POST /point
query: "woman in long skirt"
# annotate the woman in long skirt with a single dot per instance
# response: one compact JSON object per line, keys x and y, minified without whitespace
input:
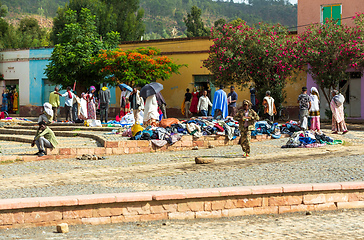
{"x":91,"y":104}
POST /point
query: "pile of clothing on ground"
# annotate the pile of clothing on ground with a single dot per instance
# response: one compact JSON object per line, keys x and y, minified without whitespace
{"x":171,"y":130}
{"x":264,"y":127}
{"x":290,"y":128}
{"x":308,"y":139}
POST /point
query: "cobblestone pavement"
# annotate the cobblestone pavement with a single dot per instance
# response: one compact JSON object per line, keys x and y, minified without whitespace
{"x":269,"y":164}
{"x":345,"y":224}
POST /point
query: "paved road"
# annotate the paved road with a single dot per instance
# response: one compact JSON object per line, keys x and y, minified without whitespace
{"x":269,"y":164}
{"x":347,"y":224}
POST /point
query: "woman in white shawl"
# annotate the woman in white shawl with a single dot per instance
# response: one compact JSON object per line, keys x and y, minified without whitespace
{"x":337,"y":109}
{"x":47,"y":115}
{"x":136,"y":103}
{"x":151,"y":114}
{"x":314,"y":111}
{"x":269,"y":106}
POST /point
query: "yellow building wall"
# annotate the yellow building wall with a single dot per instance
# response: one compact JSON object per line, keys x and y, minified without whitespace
{"x":192,"y":52}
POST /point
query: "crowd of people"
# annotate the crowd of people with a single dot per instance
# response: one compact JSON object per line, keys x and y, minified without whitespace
{"x":224,"y":106}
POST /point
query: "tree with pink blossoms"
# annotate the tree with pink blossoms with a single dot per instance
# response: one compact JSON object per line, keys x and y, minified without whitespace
{"x":330,"y":50}
{"x":263,"y":56}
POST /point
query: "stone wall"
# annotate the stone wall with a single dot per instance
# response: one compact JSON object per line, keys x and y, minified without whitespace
{"x":180,"y":204}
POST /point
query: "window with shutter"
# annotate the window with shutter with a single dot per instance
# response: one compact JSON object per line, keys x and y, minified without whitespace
{"x":331,"y":12}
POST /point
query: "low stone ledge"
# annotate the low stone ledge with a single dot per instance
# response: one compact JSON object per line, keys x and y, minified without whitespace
{"x":180,"y":204}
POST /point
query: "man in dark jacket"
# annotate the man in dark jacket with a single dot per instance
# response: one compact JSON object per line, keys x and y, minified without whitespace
{"x":104,"y":98}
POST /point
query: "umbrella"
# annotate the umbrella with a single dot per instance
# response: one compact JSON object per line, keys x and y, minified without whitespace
{"x":150,"y":89}
{"x":123,"y":85}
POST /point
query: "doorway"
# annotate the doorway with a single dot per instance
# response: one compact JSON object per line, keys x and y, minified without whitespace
{"x":351,"y":90}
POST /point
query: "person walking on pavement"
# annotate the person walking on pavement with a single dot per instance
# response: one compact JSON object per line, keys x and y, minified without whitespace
{"x":203,"y":104}
{"x":232,"y":99}
{"x":68,"y":103}
{"x":269,"y":106}
{"x":246,"y":117}
{"x":220,"y":104}
{"x":44,"y":138}
{"x":187,"y":102}
{"x":54,"y":101}
{"x":104,"y":100}
{"x":305,"y":104}
{"x":338,"y":117}
{"x":161,"y":104}
{"x":136,"y":104}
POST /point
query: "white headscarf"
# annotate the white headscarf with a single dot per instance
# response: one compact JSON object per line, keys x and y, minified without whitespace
{"x":314,"y":89}
{"x":48,"y":108}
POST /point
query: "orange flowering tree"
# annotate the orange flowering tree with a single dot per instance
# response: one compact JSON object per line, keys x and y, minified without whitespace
{"x":133,"y":67}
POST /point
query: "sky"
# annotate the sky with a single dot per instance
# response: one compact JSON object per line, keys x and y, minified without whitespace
{"x":293,"y":1}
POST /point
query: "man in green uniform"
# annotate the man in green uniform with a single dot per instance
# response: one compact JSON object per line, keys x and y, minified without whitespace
{"x":246,"y":118}
{"x":54,"y":101}
{"x":44,"y":138}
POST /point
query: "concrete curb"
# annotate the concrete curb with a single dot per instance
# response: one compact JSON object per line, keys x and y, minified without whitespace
{"x":180,"y":204}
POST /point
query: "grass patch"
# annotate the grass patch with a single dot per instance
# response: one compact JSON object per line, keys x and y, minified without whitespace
{"x":345,"y":143}
{"x":75,"y":134}
{"x":77,"y":129}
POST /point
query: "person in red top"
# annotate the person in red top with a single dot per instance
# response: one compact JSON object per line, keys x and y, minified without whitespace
{"x":194,"y":102}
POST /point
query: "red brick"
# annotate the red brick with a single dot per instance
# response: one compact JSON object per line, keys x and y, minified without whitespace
{"x":96,"y":199}
{"x":218,"y":204}
{"x":42,"y":216}
{"x":285,"y":200}
{"x":296,"y":188}
{"x":121,"y":144}
{"x":186,"y":143}
{"x":249,"y":202}
{"x":77,"y":213}
{"x":352,"y":185}
{"x":117,"y":219}
{"x":266,"y":210}
{"x":6,"y":219}
{"x":29,"y":158}
{"x":235,"y":191}
{"x":55,"y":151}
{"x":209,"y":214}
{"x":170,"y":207}
{"x":358,"y":204}
{"x":133,"y":150}
{"x":169,"y":195}
{"x":181,"y":215}
{"x":157,"y":209}
{"x":230,"y":203}
{"x":133,"y":197}
{"x":266,"y":189}
{"x":108,"y":151}
{"x":100,"y":151}
{"x":326,"y":186}
{"x":102,"y":212}
{"x":132,"y":218}
{"x":64,"y":151}
{"x":237,"y":212}
{"x":325,"y":206}
{"x":153,"y":217}
{"x":143,"y":143}
{"x":196,"y":206}
{"x":118,"y":151}
{"x":202,"y":193}
{"x":183,"y":207}
{"x":131,"y":144}
{"x":109,"y":144}
{"x":337,"y":197}
{"x":57,"y":201}
{"x":208,"y":206}
{"x":81,"y":151}
{"x":356,"y":196}
{"x":198,"y":143}
{"x":145,"y":149}
{"x":18,"y":203}
{"x":96,"y":221}
{"x":314,"y":198}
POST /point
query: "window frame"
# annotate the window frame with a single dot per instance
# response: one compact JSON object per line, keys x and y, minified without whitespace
{"x":331,"y":5}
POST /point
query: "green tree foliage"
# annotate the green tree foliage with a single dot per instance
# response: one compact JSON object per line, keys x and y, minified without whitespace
{"x":194,"y":24}
{"x":124,"y":17}
{"x":129,"y":18}
{"x":105,"y":18}
{"x":243,"y":55}
{"x":133,"y":67}
{"x":29,"y":34}
{"x":331,"y":49}
{"x":79,"y":43}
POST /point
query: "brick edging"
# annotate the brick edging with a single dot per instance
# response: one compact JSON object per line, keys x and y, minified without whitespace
{"x":180,"y":204}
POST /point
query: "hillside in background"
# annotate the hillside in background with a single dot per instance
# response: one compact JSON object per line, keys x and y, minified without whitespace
{"x":161,"y":16}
